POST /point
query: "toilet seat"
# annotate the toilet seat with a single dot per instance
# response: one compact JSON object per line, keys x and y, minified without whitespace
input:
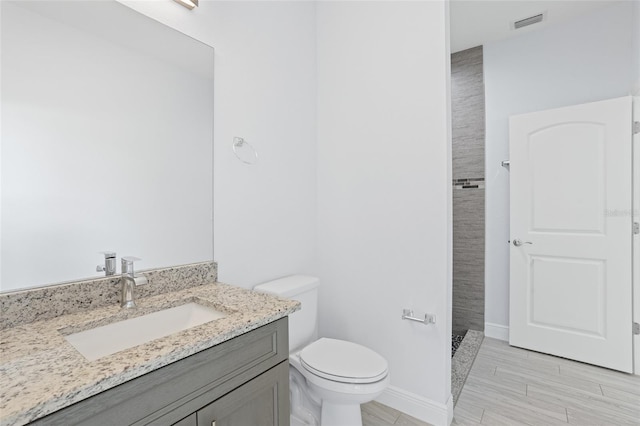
{"x":344,"y":362}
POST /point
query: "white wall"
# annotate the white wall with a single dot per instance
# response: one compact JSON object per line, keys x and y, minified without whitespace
{"x":635,"y":47}
{"x":384,"y":190}
{"x":583,"y":60}
{"x":265,"y":85}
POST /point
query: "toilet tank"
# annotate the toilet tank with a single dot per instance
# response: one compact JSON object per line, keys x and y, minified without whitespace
{"x":303,"y":324}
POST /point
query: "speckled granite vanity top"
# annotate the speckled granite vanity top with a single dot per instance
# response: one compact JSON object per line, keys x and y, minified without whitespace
{"x":41,"y":373}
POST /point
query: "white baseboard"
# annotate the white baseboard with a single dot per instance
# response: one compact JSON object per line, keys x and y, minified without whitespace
{"x":424,"y":409}
{"x":496,"y":331}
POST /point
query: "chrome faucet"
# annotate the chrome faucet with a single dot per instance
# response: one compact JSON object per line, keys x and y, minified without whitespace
{"x":128,"y":281}
{"x":109,"y":267}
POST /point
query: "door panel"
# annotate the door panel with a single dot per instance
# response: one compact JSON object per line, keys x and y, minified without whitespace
{"x":570,"y":279}
{"x":553,"y":304}
{"x":566,"y":182}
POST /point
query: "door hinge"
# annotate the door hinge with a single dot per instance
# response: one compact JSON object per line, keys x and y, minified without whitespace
{"x":636,"y":127}
{"x":636,"y":228}
{"x":636,"y":328}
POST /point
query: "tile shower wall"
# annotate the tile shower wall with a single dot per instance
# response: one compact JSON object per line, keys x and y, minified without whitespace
{"x":468,"y":121}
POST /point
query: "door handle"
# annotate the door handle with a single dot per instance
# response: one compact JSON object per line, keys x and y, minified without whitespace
{"x":518,"y":242}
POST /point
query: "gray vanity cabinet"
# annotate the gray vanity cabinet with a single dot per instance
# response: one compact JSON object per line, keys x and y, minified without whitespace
{"x":243,"y":381}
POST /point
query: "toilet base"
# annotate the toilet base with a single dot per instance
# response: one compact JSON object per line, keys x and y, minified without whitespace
{"x":305,"y":409}
{"x":340,"y":414}
{"x":319,"y":402}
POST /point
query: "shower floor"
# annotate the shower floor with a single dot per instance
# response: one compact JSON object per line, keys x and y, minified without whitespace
{"x":456,"y":340}
{"x":463,"y":359}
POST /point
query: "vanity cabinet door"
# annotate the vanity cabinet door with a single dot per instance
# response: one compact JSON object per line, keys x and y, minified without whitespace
{"x":263,"y":401}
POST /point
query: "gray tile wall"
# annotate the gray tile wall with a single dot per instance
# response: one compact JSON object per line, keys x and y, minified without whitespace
{"x":468,"y":132}
{"x":468,"y":260}
{"x":467,"y":101}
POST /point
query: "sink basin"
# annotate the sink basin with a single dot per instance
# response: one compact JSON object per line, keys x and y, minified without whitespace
{"x":108,"y":339}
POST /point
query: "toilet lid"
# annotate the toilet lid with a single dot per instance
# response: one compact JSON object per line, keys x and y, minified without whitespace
{"x":343,"y":361}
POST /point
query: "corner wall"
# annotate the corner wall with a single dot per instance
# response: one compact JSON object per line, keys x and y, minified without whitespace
{"x":583,"y":60}
{"x":384,"y":191}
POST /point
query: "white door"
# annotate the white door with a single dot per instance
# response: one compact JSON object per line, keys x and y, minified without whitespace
{"x":571,"y":232}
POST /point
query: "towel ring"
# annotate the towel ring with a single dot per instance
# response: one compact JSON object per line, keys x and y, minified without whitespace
{"x":239,"y":143}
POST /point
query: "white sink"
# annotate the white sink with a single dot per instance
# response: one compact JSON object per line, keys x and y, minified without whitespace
{"x":109,"y":339}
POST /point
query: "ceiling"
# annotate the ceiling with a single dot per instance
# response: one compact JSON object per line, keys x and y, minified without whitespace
{"x":476,"y":22}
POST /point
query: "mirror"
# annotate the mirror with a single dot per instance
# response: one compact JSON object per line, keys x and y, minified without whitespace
{"x":107,"y":142}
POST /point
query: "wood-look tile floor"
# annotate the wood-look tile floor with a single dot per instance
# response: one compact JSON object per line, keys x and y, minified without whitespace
{"x":512,"y":387}
{"x":376,"y":414}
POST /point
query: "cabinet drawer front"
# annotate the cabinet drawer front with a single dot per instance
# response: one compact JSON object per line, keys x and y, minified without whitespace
{"x":171,"y":393}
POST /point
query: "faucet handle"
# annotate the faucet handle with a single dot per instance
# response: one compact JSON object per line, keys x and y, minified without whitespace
{"x":127,"y":268}
{"x":109,"y":267}
{"x":127,"y":264}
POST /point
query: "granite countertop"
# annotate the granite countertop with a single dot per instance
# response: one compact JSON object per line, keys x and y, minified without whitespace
{"x":40,"y":372}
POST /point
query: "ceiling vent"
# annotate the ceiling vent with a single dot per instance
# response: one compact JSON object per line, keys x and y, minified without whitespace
{"x":528,"y":21}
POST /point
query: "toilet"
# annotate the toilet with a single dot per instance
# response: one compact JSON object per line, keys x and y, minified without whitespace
{"x":328,"y":378}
